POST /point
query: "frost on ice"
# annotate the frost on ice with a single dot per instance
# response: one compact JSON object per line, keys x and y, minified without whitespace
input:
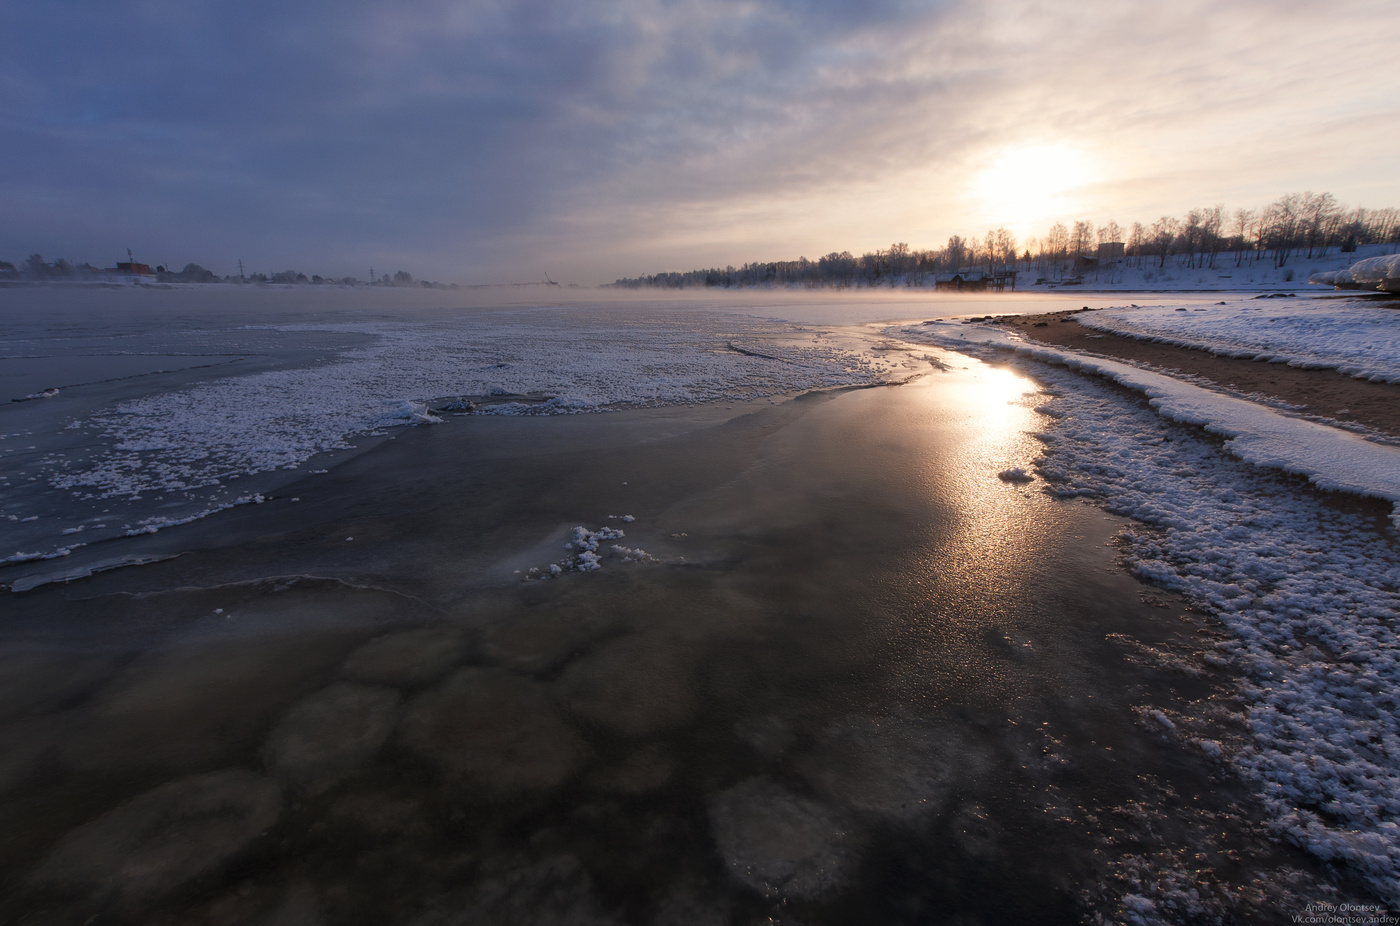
{"x":530,"y":363}
{"x":1309,"y":592}
{"x":1330,"y":458}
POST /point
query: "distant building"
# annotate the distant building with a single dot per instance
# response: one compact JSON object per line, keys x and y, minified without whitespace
{"x":1112,"y":250}
{"x":975,"y":281}
{"x":962,"y":281}
{"x":131,"y":266}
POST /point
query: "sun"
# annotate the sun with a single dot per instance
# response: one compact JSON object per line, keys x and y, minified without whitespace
{"x":1029,"y":184}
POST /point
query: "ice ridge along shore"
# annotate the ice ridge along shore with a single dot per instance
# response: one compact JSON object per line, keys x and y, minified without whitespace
{"x":1309,"y":592}
{"x":1330,"y":458}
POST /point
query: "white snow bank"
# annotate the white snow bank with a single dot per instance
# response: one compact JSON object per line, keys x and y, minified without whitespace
{"x":1338,"y":278}
{"x":1351,"y":336}
{"x":1382,"y":273}
{"x":1330,"y":458}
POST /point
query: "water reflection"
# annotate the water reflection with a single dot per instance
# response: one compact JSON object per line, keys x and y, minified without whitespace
{"x":865,"y":682}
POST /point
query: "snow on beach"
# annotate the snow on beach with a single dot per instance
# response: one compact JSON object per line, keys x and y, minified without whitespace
{"x":1330,"y":458}
{"x":1309,"y":592}
{"x":180,"y":447}
{"x":1355,"y":337}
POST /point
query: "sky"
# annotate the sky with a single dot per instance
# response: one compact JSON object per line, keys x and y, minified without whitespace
{"x":492,"y":141}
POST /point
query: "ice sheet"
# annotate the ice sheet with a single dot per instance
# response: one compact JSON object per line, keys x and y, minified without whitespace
{"x":172,"y":455}
{"x":1309,"y":592}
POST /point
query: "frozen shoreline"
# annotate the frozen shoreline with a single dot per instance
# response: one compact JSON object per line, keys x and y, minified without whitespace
{"x":1330,"y":458}
{"x":1350,"y":336}
{"x":1308,"y":591}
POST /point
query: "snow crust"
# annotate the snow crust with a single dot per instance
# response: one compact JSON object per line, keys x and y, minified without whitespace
{"x":1359,"y":338}
{"x":170,"y":457}
{"x":280,"y":419}
{"x":1371,"y":273}
{"x":1310,"y":592}
{"x":1330,"y":458}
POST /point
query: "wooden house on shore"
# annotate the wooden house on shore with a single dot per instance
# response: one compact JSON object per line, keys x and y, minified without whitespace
{"x":975,"y":281}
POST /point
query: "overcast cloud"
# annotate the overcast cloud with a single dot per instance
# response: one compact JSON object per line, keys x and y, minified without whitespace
{"x":499,"y":140}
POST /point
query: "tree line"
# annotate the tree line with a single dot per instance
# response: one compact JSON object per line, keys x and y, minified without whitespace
{"x":1314,"y":223}
{"x":36,"y":269}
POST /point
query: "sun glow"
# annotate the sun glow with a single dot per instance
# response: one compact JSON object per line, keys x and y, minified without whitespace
{"x":1025,"y":186}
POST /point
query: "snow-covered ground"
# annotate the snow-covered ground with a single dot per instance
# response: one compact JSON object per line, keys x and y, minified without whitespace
{"x":1309,"y":590}
{"x":1352,"y":336}
{"x":1238,"y":273}
{"x":1380,"y":273}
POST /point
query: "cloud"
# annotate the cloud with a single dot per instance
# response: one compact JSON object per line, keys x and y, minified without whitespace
{"x":486,"y":140}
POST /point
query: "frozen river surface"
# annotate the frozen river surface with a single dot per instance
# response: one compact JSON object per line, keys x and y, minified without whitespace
{"x":758,"y":645}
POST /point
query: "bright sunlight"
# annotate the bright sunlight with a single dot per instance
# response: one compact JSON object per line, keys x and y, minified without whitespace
{"x":1026,"y":185}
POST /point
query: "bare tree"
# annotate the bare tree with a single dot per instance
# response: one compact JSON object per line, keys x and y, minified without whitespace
{"x":1055,"y":245}
{"x":1003,"y":246}
{"x":1281,"y":220}
{"x":1244,"y":221}
{"x":1111,"y":233}
{"x":1212,"y":223}
{"x":1137,"y":242}
{"x":899,"y":258}
{"x":1080,"y":238}
{"x":956,"y":253}
{"x":1321,"y":217}
{"x":1189,"y":236}
{"x":1164,"y":232}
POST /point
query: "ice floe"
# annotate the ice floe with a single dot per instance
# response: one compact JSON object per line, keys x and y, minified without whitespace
{"x":329,"y":734}
{"x":407,"y":658}
{"x":779,"y":843}
{"x":494,"y":731}
{"x":554,"y":892}
{"x":161,"y":840}
{"x":886,"y":767}
{"x":580,"y":362}
{"x":179,"y":449}
{"x":641,"y":684}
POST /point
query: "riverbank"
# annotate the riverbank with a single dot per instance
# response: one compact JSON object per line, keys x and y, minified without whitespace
{"x":1324,"y":393}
